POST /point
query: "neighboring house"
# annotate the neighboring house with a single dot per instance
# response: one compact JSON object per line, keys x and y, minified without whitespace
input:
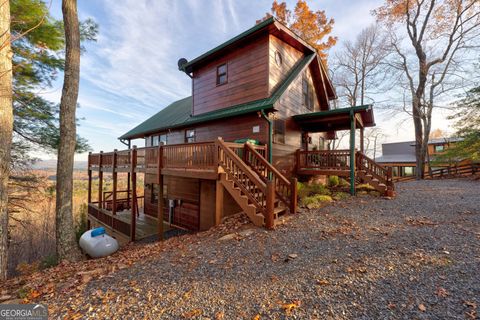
{"x":400,"y":156}
{"x":266,"y":86}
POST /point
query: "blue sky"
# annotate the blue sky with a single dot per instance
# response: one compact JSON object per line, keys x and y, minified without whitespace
{"x":131,"y":72}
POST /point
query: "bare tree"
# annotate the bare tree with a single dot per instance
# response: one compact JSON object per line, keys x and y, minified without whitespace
{"x":6,"y":128}
{"x":358,"y":66}
{"x":67,"y":248}
{"x":427,"y":36}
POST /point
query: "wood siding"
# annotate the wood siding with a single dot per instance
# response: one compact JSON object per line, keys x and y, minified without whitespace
{"x":290,"y":104}
{"x":247,"y":78}
{"x":290,"y":56}
{"x":229,"y":129}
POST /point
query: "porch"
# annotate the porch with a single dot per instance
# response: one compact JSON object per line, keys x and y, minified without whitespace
{"x":352,"y":163}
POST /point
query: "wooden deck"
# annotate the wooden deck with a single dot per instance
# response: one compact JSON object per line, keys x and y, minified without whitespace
{"x":120,"y":223}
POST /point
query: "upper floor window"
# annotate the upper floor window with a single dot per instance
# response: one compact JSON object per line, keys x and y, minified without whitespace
{"x":190,"y":135}
{"x":439,"y":148}
{"x":307,"y":93}
{"x":222,"y":74}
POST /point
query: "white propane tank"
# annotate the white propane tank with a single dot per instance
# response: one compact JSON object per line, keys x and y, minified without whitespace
{"x":96,"y":243}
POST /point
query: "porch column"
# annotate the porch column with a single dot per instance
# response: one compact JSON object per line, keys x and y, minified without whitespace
{"x":160,"y":192}
{"x":100,"y":181}
{"x":352,"y":152}
{"x":362,"y":149}
{"x":128,"y":179}
{"x":114,"y":187}
{"x":89,"y":194}
{"x":134,"y":209}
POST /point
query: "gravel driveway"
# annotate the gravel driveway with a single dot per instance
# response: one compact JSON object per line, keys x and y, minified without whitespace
{"x":414,"y":257}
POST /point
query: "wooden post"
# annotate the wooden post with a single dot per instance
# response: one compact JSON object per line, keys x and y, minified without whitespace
{"x":352,"y":153}
{"x":218,"y":202}
{"x":160,"y":192}
{"x":297,"y":160}
{"x":293,"y":195}
{"x":100,"y":181}
{"x":134,"y":194}
{"x":89,"y":194}
{"x":114,"y":187}
{"x":270,"y":207}
{"x":362,"y":144}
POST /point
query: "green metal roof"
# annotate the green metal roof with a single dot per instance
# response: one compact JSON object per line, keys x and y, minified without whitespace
{"x":178,"y":114}
{"x":187,"y":67}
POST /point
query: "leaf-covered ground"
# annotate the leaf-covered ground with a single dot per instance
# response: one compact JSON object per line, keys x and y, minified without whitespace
{"x":414,"y":257}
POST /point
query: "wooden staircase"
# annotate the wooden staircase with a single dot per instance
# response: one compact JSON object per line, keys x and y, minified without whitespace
{"x":258,"y":188}
{"x":369,"y":171}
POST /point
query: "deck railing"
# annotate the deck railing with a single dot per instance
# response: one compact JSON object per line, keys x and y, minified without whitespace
{"x":382,"y":174}
{"x":323,"y":159}
{"x":284,"y":189}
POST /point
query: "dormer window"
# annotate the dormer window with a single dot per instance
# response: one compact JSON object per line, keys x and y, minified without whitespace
{"x":222,"y":74}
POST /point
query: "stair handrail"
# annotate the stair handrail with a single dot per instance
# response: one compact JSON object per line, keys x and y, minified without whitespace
{"x":283,"y":187}
{"x":232,"y":170}
{"x":377,"y":171}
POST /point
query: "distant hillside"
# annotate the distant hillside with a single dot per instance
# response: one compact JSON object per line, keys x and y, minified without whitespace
{"x":52,"y":164}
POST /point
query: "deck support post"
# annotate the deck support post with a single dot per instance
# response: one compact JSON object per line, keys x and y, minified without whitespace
{"x":100,"y":181}
{"x":352,"y":152}
{"x":270,"y":205}
{"x":219,"y":190}
{"x":114,"y":183}
{"x":362,"y":143}
{"x":134,"y":209}
{"x":293,"y":195}
{"x":89,"y":192}
{"x":160,"y":192}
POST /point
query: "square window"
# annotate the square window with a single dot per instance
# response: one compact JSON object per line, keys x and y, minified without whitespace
{"x":222,"y":74}
{"x":439,"y":148}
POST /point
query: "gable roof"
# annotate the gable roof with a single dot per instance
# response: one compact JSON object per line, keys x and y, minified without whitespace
{"x":178,"y":113}
{"x":274,"y":27}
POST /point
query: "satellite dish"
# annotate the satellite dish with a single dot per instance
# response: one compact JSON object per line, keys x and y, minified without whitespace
{"x":181,"y":62}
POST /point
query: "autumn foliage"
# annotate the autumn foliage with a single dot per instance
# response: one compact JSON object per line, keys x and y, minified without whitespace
{"x":313,"y":26}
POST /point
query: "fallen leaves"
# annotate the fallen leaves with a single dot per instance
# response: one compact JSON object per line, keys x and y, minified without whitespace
{"x":422,"y":307}
{"x":422,"y":221}
{"x":323,"y":282}
{"x":441,"y":292}
{"x":472,"y":313}
{"x":193,"y":313}
{"x":289,"y":307}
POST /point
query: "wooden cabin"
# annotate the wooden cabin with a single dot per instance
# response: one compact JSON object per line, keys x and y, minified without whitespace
{"x":258,"y":117}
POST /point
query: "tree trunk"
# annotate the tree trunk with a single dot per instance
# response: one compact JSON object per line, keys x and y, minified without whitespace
{"x":67,"y":248}
{"x":6,"y":127}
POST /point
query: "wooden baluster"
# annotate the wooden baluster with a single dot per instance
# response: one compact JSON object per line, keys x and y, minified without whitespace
{"x":293,"y":195}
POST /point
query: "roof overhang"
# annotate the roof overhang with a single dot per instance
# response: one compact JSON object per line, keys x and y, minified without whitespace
{"x":336,"y":119}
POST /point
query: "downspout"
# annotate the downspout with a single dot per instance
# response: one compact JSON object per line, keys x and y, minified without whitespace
{"x":270,"y":135}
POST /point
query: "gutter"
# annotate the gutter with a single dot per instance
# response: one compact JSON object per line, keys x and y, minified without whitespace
{"x":270,"y":134}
